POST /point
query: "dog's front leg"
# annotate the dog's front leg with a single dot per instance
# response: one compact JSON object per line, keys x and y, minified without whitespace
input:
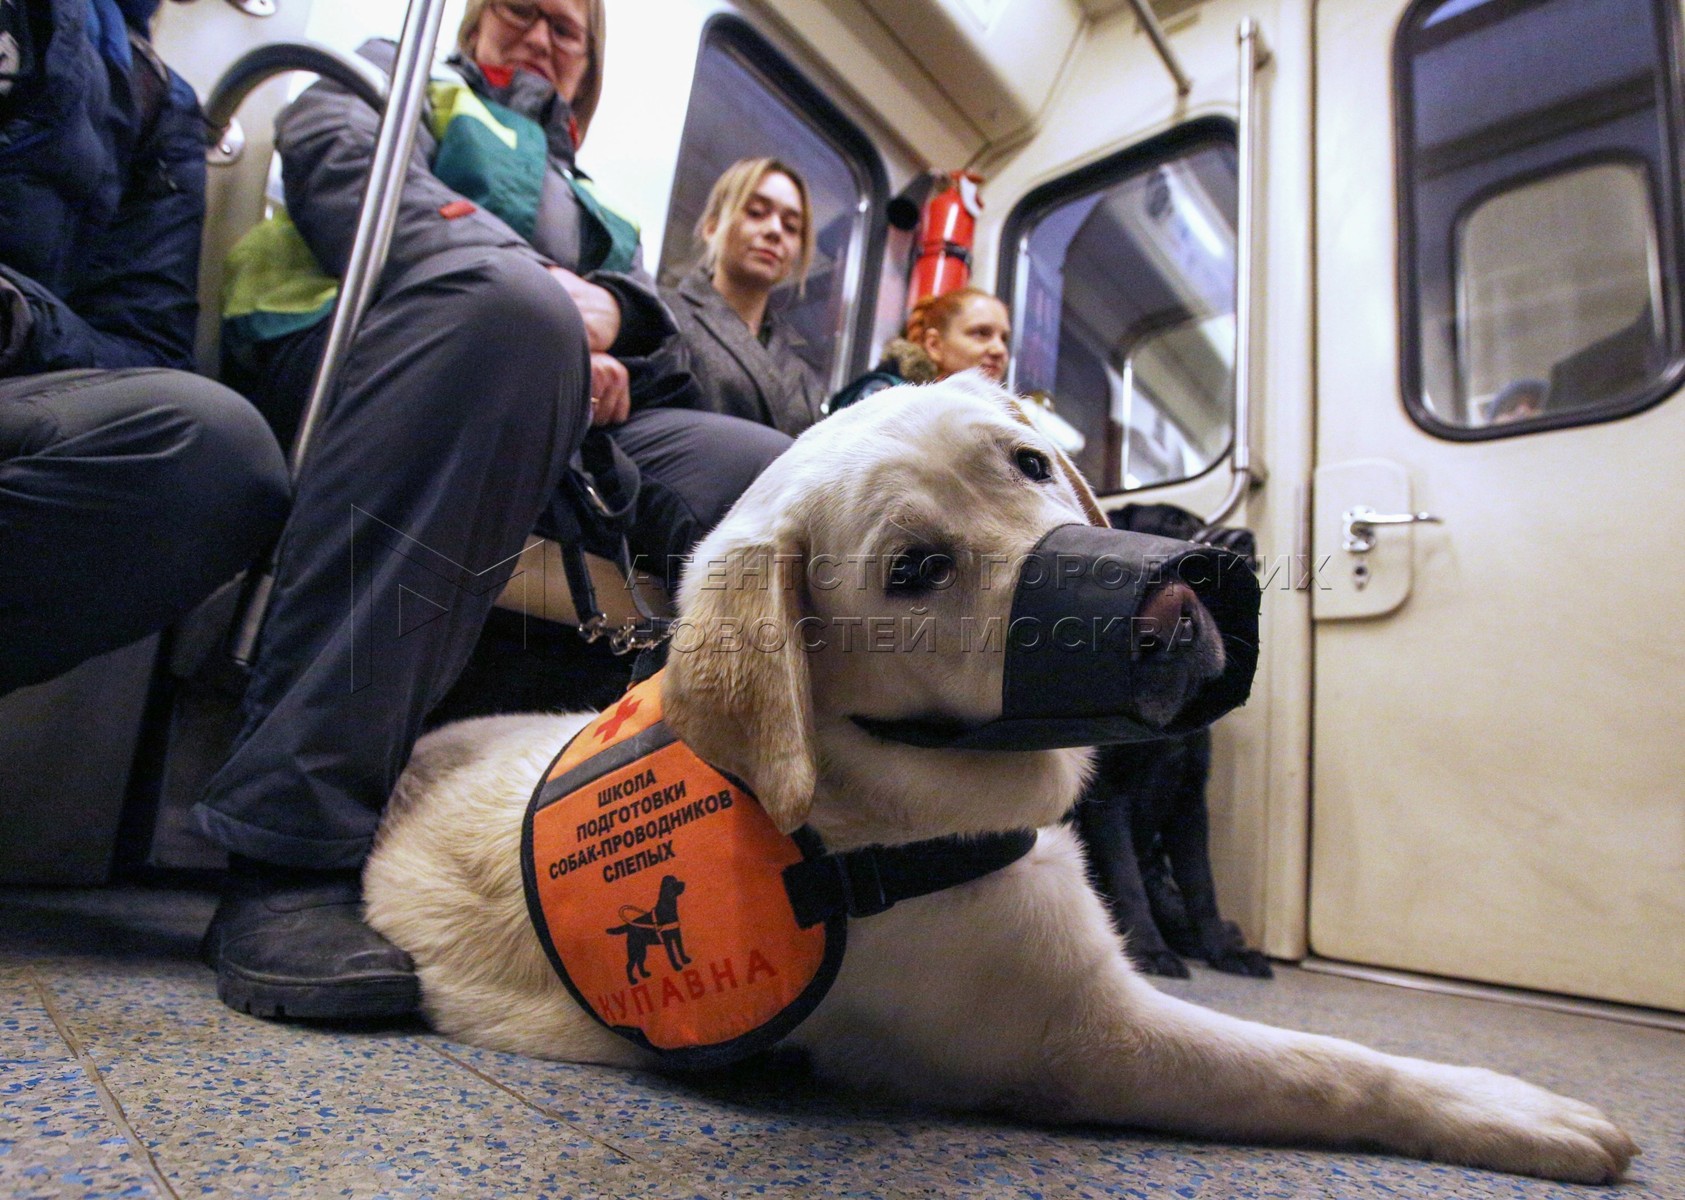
{"x":1142,"y":1058}
{"x":1013,"y":993}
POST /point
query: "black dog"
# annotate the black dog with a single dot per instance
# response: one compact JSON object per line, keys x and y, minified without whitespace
{"x":1144,"y":829}
{"x":1143,"y":820}
{"x":660,"y":925}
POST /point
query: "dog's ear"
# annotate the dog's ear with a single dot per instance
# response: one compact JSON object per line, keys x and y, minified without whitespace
{"x":736,"y":686}
{"x":1067,"y":469}
{"x":1085,"y":494}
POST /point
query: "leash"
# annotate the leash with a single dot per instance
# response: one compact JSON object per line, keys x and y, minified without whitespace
{"x":602,"y":486}
{"x":633,"y":635}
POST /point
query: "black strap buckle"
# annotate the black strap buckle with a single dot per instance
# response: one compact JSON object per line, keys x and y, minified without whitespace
{"x":862,"y":883}
{"x":836,"y":884}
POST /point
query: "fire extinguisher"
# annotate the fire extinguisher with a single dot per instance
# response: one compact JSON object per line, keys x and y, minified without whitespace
{"x":946,"y":229}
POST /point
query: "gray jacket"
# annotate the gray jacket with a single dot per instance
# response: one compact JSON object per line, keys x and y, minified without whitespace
{"x":326,"y":139}
{"x":738,"y":374}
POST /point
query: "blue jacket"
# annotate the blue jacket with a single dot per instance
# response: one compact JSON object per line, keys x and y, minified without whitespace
{"x":102,"y":194}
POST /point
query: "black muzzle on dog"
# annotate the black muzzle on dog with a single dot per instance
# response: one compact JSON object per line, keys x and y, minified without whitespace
{"x":1087,"y":665}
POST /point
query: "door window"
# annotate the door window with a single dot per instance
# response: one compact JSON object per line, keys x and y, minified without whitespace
{"x":1539,"y":212}
{"x":1123,"y":306}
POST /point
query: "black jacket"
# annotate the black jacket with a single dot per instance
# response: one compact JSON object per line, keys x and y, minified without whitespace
{"x":739,"y":374}
{"x":102,"y":198}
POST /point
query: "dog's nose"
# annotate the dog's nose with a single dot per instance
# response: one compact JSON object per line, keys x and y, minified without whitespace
{"x":1166,"y":620}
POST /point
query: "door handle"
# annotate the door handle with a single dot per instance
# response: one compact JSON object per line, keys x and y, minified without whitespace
{"x":1361,"y":520}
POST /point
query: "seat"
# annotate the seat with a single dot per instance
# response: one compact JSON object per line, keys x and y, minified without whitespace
{"x":68,"y":745}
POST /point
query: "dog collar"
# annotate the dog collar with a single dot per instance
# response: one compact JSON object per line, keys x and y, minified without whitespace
{"x":673,"y":909}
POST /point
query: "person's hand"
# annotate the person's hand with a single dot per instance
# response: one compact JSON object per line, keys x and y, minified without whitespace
{"x":597,"y":307}
{"x":611,"y":395}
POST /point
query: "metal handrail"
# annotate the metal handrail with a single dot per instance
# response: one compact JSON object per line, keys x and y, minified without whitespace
{"x":1155,"y":33}
{"x":375,"y":220}
{"x":256,"y":67}
{"x":251,"y":70}
{"x":1253,"y":54}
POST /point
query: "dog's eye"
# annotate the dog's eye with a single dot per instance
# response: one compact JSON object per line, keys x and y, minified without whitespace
{"x":919,"y":569}
{"x":1034,"y":465}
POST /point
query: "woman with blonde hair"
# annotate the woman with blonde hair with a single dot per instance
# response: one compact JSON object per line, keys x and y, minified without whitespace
{"x":757,"y":234}
{"x":955,"y":331}
{"x":513,"y":316}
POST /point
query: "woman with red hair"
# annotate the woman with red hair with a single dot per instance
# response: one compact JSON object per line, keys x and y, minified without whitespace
{"x":956,"y":331}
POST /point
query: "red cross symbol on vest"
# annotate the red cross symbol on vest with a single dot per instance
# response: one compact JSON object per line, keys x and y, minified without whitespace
{"x":610,"y":727}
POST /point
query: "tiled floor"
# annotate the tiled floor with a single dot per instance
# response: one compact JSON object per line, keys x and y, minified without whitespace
{"x":121,"y":1075}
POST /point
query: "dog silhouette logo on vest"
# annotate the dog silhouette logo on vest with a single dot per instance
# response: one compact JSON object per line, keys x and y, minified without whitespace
{"x":655,"y":926}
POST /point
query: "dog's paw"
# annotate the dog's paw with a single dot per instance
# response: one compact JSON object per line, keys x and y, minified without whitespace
{"x":1483,"y":1119}
{"x":1160,"y":962}
{"x":1241,"y":961}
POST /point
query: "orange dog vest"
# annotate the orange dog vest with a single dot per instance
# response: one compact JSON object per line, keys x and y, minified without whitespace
{"x":657,"y":885}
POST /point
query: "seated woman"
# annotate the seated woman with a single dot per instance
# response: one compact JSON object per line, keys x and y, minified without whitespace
{"x":946,"y":334}
{"x":510,"y":307}
{"x":758,"y":232}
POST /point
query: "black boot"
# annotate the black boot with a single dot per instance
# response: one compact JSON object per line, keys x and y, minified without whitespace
{"x":292,"y":943}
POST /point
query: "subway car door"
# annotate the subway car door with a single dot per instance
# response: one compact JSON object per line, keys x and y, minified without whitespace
{"x":1499,"y":719}
{"x":1120,"y":258}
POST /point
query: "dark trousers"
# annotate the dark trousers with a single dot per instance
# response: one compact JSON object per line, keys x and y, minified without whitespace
{"x":455,"y":415}
{"x":126,"y":497}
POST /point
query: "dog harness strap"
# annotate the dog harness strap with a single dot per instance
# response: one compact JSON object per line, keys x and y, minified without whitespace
{"x":871,"y":880}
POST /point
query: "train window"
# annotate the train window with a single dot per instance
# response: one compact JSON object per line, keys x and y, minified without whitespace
{"x":1540,"y":212}
{"x":1122,"y":292}
{"x":746,"y":101}
{"x":1570,"y":315}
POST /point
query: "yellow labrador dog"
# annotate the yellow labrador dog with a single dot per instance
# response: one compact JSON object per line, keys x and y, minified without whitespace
{"x":1008,"y":993}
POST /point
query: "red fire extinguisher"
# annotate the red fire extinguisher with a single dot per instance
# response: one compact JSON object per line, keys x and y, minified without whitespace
{"x":946,"y":229}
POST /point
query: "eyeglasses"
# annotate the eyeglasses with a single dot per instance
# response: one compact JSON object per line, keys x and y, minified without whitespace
{"x":523,"y":15}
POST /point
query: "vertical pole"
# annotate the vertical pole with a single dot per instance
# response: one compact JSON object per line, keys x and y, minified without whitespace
{"x":1252,"y":56}
{"x":369,"y":247}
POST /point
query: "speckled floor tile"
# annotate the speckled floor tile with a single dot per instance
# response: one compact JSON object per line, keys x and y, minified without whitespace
{"x":233,"y":1106}
{"x":758,"y":1131}
{"x":56,"y":1138}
